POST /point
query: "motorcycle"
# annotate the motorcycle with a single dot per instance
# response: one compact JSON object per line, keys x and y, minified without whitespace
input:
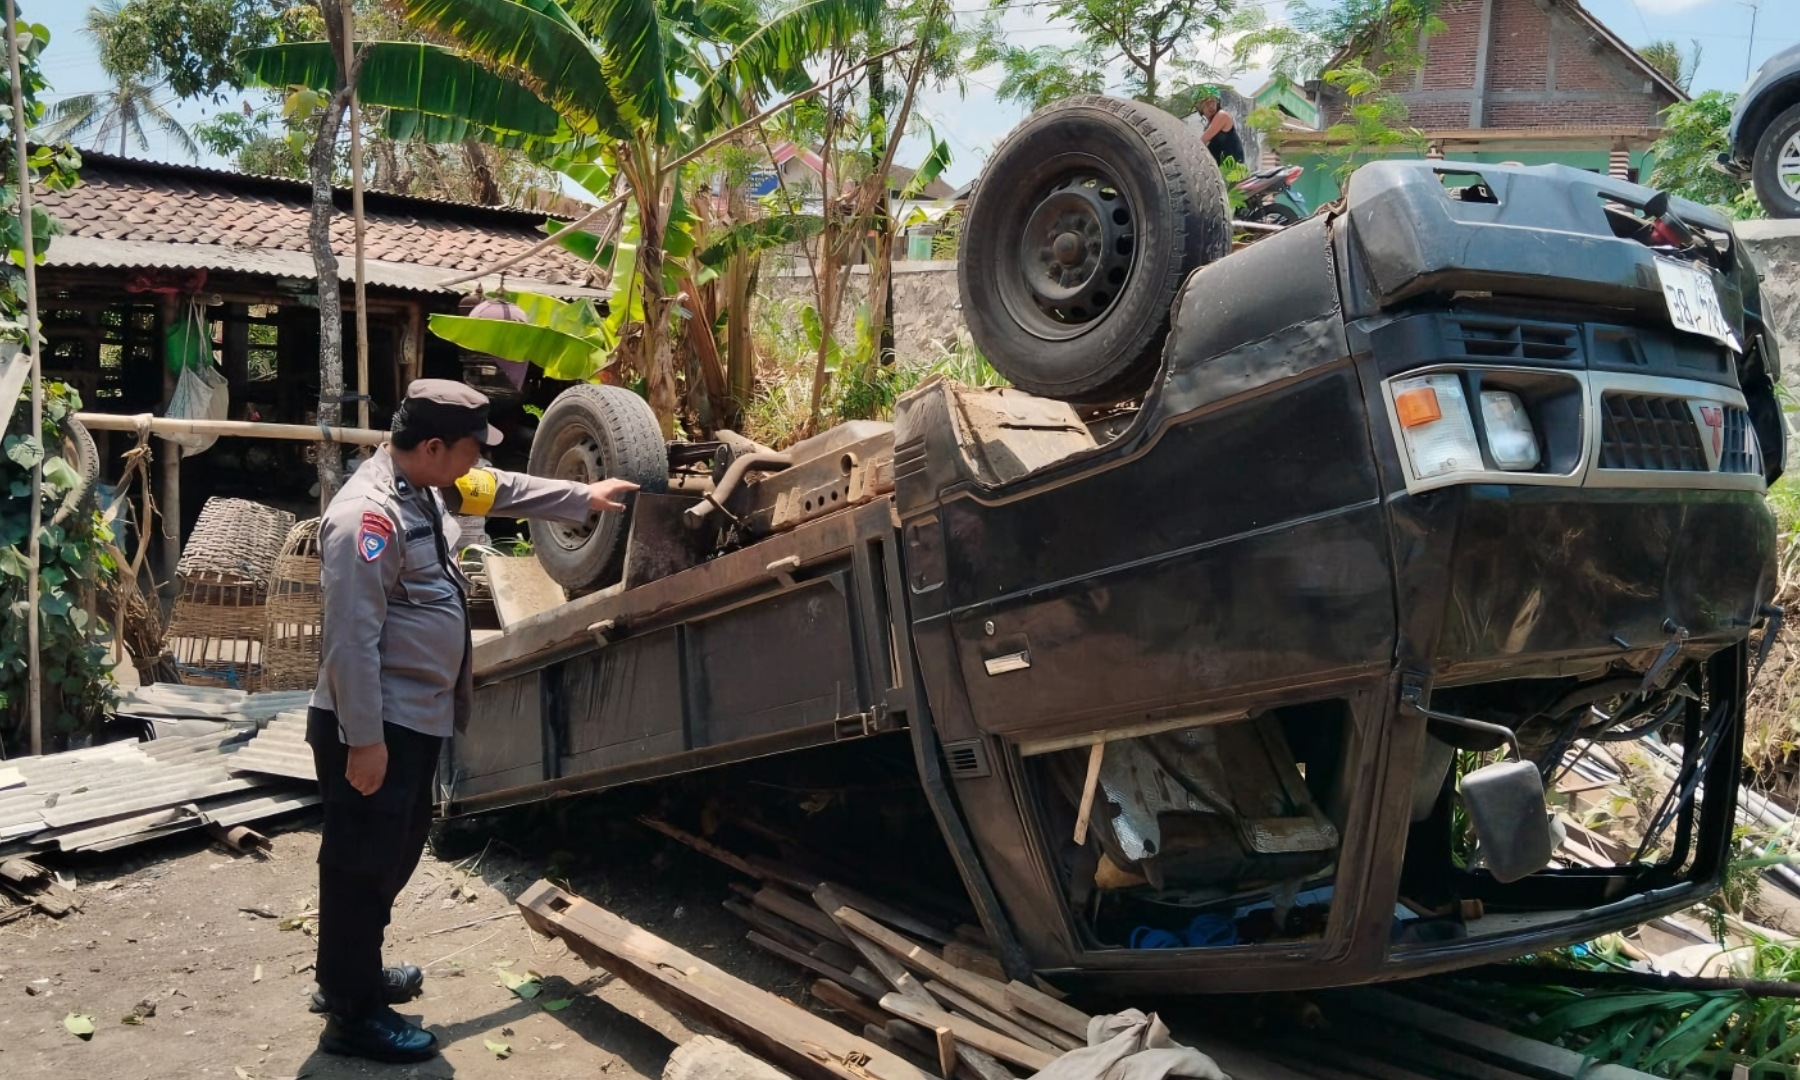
{"x":1261,"y":190}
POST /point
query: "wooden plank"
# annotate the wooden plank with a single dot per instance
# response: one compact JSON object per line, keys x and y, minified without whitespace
{"x":969,"y":1032}
{"x":789,"y":1037}
{"x":851,"y":1003}
{"x":771,"y":927}
{"x":885,"y":963}
{"x":878,"y":1034}
{"x":701,"y":844}
{"x":986,"y":991}
{"x":970,"y":958}
{"x":974,"y":1010}
{"x":1089,"y":787}
{"x":971,"y":1064}
{"x":1483,"y":1040}
{"x":904,"y":921}
{"x":800,"y":914}
{"x":1034,"y":1002}
{"x":813,"y":964}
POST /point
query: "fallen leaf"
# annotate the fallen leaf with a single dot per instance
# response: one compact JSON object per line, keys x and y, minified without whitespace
{"x":80,"y":1026}
{"x":558,"y":1005}
{"x":257,"y":976}
{"x":134,"y":1020}
{"x":499,"y":1049}
{"x":243,"y":1073}
{"x":526,"y":986}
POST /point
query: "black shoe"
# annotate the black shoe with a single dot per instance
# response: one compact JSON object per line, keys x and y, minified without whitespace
{"x":401,"y":984}
{"x":383,"y":1035}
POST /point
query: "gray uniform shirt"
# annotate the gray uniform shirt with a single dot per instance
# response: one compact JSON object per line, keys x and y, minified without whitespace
{"x":395,"y":636}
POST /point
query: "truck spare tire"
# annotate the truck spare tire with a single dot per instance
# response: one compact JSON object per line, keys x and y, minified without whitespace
{"x":1083,"y":227}
{"x":590,"y":433}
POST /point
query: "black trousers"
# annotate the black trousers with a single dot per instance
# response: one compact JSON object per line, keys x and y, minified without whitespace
{"x":371,"y":846}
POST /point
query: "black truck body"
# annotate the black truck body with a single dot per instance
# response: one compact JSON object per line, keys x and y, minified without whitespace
{"x":1251,"y":592}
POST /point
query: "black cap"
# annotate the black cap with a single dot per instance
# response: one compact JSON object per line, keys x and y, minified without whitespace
{"x":443,"y":409}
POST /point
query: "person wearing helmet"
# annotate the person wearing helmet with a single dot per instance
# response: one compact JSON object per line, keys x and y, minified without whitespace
{"x":1221,"y":134}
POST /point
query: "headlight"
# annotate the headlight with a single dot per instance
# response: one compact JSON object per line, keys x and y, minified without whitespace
{"x":1435,"y":423}
{"x":1511,"y":441}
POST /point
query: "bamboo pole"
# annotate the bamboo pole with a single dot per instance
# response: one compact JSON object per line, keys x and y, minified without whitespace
{"x":34,"y":680}
{"x":163,"y":426}
{"x":356,"y":216}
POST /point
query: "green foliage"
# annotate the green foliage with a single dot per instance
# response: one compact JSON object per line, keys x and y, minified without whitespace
{"x":1693,"y":138}
{"x":1373,"y":122}
{"x":193,"y":41}
{"x":122,"y":110}
{"x":1157,"y":40}
{"x":1676,"y":66}
{"x":71,"y":565}
{"x":568,"y":339}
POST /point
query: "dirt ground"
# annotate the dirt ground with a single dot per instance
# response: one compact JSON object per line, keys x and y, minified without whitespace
{"x":184,"y":925}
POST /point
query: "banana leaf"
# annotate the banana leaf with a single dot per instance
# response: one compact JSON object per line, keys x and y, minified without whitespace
{"x":560,"y":355}
{"x":414,"y":76}
{"x":539,"y":40}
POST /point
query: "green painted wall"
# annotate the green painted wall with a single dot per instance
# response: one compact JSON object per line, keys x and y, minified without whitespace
{"x":1318,"y":185}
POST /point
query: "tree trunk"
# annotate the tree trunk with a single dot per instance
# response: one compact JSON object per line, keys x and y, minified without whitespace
{"x":331,"y":298}
{"x":484,"y":187}
{"x":658,"y":352}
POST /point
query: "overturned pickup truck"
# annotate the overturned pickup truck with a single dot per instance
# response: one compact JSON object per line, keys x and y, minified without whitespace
{"x":1408,"y":506}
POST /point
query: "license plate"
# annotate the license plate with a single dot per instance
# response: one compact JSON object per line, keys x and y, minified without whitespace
{"x":1693,"y":302}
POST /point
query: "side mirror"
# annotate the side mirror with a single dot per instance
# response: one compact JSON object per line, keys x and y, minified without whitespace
{"x":1505,"y":803}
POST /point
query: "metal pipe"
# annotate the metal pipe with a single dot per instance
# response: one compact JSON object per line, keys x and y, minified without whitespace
{"x":734,"y":475}
{"x":34,"y":680}
{"x":165,"y":426}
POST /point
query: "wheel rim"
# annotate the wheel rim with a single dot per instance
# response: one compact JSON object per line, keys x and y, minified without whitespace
{"x":1787,"y":167}
{"x":1076,"y":251}
{"x":575,"y":455}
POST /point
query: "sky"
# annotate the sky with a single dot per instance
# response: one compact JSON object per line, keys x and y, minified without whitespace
{"x":972,"y":121}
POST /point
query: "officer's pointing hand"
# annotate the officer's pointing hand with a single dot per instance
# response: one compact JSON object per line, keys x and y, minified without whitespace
{"x":367,"y":767}
{"x":609,"y":494}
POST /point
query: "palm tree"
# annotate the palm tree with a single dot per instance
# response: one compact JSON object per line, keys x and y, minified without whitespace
{"x":1678,"y":67}
{"x":121,"y":110}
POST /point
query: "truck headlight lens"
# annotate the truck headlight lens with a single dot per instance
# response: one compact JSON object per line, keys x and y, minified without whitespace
{"x":1511,"y":440}
{"x":1435,"y":424}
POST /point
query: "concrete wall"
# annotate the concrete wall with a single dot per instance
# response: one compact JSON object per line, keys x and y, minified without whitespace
{"x":1775,"y":246}
{"x":927,"y":314}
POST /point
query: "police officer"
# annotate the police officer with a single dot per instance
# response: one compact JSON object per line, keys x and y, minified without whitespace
{"x":394,"y":681}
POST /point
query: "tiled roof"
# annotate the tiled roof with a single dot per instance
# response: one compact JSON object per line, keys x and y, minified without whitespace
{"x":124,"y":200}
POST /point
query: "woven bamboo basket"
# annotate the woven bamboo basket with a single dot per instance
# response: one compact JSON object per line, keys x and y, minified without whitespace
{"x":221,"y":612}
{"x":291,"y":641}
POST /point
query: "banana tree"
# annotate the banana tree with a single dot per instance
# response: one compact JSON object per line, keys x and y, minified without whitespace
{"x":642,"y":87}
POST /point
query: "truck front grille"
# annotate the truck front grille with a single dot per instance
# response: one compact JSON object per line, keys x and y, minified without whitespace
{"x":1639,"y":431}
{"x":1663,"y":434}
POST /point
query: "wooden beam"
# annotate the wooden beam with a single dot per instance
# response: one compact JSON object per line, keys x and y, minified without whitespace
{"x":837,"y":996}
{"x":984,"y":990}
{"x":971,"y":1064}
{"x":885,"y":963}
{"x":813,"y":964}
{"x":975,"y":1011}
{"x":789,"y":1037}
{"x":164,"y":426}
{"x":970,"y":1032}
{"x":800,"y":914}
{"x":1035,"y":1002}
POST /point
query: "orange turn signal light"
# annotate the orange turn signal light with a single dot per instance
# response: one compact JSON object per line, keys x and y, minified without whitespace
{"x":1417,"y":406}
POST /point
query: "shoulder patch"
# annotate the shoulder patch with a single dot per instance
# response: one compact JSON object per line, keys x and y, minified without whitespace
{"x":373,"y":537}
{"x":478,"y":488}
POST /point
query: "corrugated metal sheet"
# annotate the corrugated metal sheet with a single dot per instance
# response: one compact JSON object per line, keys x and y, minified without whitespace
{"x":92,"y":251}
{"x":279,"y":750}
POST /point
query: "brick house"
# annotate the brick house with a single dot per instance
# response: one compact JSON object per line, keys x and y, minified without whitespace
{"x":1535,"y":81}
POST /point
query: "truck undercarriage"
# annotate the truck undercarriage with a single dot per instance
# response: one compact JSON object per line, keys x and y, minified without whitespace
{"x":1421,"y":503}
